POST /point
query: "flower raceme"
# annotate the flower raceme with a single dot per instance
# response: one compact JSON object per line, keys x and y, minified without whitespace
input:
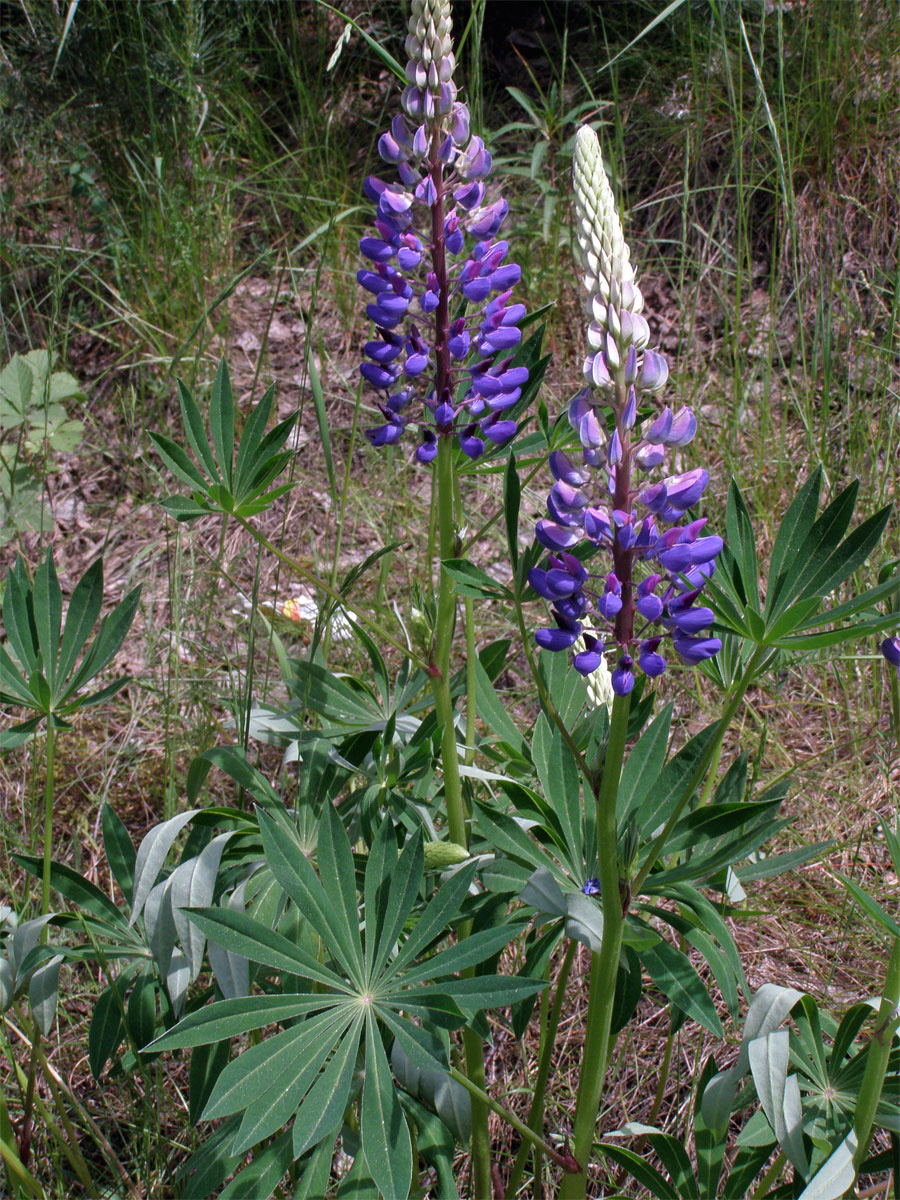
{"x":610,"y":502}
{"x":435,"y":248}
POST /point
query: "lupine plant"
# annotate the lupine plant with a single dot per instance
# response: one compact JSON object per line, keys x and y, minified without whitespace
{"x":435,"y":868}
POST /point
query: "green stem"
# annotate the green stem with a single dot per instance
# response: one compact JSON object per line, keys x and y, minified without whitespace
{"x":702,"y":766}
{"x":439,"y":671}
{"x":877,"y":1055}
{"x":605,"y":965}
{"x":548,"y":1042}
{"x":48,"y":823}
{"x":445,"y":624}
{"x":511,"y":1119}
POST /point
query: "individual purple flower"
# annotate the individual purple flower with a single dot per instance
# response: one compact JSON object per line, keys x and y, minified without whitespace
{"x":641,"y":591}
{"x":591,"y":887}
{"x":890,"y":648}
{"x":436,"y":254}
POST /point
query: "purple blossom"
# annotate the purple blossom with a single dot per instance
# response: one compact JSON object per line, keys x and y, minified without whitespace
{"x":890,"y":648}
{"x":463,"y":271}
{"x":642,"y":589}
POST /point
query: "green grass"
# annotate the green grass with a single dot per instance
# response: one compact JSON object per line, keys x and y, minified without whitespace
{"x":175,"y":152}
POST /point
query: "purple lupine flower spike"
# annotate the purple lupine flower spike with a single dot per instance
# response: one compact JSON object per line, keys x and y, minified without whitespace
{"x":632,"y":612}
{"x":437,"y":212}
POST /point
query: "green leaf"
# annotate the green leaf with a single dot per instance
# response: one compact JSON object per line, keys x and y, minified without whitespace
{"x":836,"y":1175}
{"x":318,"y":395}
{"x":792,"y":534}
{"x":82,"y":615}
{"x":870,"y":906}
{"x":338,"y":877}
{"x":434,"y":920}
{"x":193,"y":884}
{"x":119,"y":850}
{"x":207,"y":1064}
{"x":256,"y":1073}
{"x":292,"y":869}
{"x":495,"y":716}
{"x":769,"y":1059}
{"x":476,"y":948}
{"x":646,"y":1175}
{"x":248,"y":458}
{"x":512,"y":493}
{"x":472,"y":581}
{"x":262,"y":1176}
{"x":106,"y":1031}
{"x":742,"y":543}
{"x":395,"y":894}
{"x":178,"y":462}
{"x":561,"y":784}
{"x":327,"y":1100}
{"x":674,"y":1158}
{"x":226,"y":1019}
{"x":673,"y":974}
{"x":111,"y":634}
{"x":43,"y":993}
{"x":18,"y":619}
{"x":768,"y":1008}
{"x":483,"y":991}
{"x":47,"y":608}
{"x":221,"y":423}
{"x":242,"y":934}
{"x":151,"y":855}
{"x":233,"y":761}
{"x":288,"y":1078}
{"x":643,"y":765}
{"x":385,"y":1136}
{"x":141,"y":1011}
{"x":74,"y":887}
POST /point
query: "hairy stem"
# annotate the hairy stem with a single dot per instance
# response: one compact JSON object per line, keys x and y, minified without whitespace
{"x":877,"y":1055}
{"x":605,"y":965}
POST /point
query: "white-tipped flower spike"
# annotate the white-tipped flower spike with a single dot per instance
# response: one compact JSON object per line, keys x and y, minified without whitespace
{"x":622,"y":374}
{"x":604,"y":252}
{"x":598,"y":684}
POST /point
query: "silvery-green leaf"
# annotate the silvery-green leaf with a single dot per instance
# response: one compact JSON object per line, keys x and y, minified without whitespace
{"x":159,"y":923}
{"x":835,"y":1175}
{"x":779,"y":1093}
{"x":584,"y":921}
{"x":232,"y":972}
{"x":24,"y":940}
{"x":151,"y":855}
{"x":544,"y":893}
{"x":192,"y":886}
{"x":178,"y":978}
{"x":767,"y":1010}
{"x":43,"y":992}
{"x":7,"y":985}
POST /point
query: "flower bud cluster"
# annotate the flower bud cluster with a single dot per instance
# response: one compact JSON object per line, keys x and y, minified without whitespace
{"x":435,"y":248}
{"x":603,"y":503}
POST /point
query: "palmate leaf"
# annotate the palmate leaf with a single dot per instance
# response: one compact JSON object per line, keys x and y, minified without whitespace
{"x":222,"y":481}
{"x":48,"y":678}
{"x":812,"y":557}
{"x":368,"y":992}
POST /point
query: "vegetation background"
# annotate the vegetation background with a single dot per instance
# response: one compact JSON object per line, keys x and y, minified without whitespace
{"x":182,"y":180}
